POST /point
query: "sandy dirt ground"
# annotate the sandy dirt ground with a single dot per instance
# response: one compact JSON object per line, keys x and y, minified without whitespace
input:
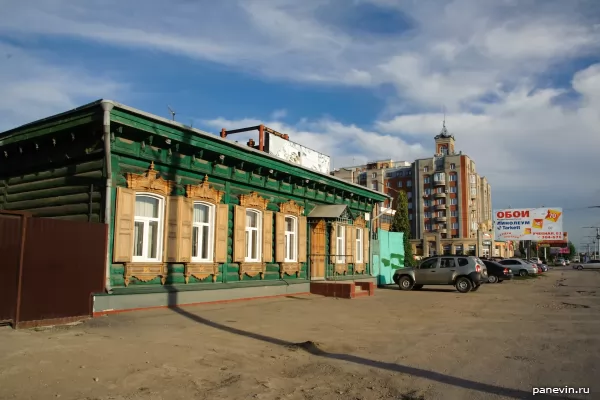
{"x":497,"y":343}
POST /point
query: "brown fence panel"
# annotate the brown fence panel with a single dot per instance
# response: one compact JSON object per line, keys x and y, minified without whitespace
{"x":64,"y":263}
{"x":10,"y":255}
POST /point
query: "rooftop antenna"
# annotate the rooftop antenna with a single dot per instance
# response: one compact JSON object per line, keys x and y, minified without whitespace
{"x":444,"y":111}
{"x":172,"y":113}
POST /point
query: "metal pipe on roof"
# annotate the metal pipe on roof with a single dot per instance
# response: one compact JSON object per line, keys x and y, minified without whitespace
{"x":107,"y":106}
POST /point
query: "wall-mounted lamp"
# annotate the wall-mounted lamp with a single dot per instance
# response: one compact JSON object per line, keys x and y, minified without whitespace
{"x":270,"y":171}
{"x":168,"y":141}
{"x":222,"y":157}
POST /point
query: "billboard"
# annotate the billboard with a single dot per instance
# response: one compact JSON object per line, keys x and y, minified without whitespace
{"x":298,"y":154}
{"x":537,"y":224}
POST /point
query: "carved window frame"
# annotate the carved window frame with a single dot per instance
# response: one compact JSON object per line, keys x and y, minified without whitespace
{"x":204,"y":194}
{"x":212,"y":214}
{"x":296,"y":238}
{"x":259,"y":236}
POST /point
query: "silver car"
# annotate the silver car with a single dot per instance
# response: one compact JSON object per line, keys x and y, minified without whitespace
{"x":519,"y":267}
{"x":466,"y":273}
{"x":590,"y":264}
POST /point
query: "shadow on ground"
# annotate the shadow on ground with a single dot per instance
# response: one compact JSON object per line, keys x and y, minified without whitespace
{"x":313,"y":348}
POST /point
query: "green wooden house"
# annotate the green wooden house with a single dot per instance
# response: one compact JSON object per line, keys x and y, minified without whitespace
{"x":192,"y":216}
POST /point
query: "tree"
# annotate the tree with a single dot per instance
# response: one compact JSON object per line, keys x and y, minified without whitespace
{"x":572,"y":250}
{"x":401,"y":223}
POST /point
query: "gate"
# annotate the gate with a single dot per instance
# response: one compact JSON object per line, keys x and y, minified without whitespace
{"x":52,"y":267}
{"x":390,"y":255}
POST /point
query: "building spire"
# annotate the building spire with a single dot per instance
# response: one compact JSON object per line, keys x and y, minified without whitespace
{"x":444,"y":132}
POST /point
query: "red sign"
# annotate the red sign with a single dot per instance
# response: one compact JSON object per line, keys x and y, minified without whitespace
{"x":512,"y":214}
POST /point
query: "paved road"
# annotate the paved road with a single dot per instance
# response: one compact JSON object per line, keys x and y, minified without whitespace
{"x":497,"y":343}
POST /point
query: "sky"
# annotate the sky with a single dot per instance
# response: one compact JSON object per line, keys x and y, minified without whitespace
{"x":518,"y":80}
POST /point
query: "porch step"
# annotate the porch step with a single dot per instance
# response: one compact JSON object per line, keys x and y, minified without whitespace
{"x":343,"y":290}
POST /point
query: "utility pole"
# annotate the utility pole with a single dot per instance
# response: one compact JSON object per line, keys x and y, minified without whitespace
{"x":597,"y":228}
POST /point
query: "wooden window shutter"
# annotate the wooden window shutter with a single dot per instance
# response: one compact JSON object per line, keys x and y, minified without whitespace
{"x":167,"y":208}
{"x":279,"y":237}
{"x":267,"y":250}
{"x":349,"y":243}
{"x":173,"y":225}
{"x":366,"y":237}
{"x":239,"y":234}
{"x":333,"y":242}
{"x":185,"y":226}
{"x":222,"y":228}
{"x":302,"y":239}
{"x":124,"y":225}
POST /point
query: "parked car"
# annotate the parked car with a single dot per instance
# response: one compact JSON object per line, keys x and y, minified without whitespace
{"x":466,"y":273}
{"x":535,"y":260}
{"x":560,"y":262}
{"x":568,"y":262}
{"x":589,"y":264}
{"x":497,"y":272}
{"x":519,"y":267}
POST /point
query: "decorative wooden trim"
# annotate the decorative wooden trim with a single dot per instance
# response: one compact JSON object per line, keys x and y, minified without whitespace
{"x":341,"y":268}
{"x":360,"y":221}
{"x":201,"y":271}
{"x":253,"y":200}
{"x":360,"y":268}
{"x":145,"y":272}
{"x":252,"y":269}
{"x":204,"y":192}
{"x":289,"y":269}
{"x":149,"y":182}
{"x":292,"y":208}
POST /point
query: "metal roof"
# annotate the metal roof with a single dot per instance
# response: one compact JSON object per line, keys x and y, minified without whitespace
{"x":328,"y":211}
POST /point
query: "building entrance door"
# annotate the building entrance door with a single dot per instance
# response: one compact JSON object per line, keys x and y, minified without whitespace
{"x":317,"y":250}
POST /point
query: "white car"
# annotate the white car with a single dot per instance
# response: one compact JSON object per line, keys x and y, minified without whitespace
{"x":590,"y":264}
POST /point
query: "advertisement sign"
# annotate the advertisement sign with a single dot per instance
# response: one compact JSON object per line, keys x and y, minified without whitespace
{"x":555,"y":243}
{"x":298,"y":154}
{"x":537,"y":224}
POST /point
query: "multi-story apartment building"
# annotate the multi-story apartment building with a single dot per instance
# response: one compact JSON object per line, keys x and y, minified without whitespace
{"x":450,"y":204}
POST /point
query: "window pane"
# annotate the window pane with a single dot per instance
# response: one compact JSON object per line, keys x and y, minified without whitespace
{"x":138,"y":241}
{"x":251,"y":219}
{"x":195,"y":233}
{"x":153,"y":239}
{"x":201,"y":213}
{"x":254,"y":245}
{"x":146,"y":207}
{"x":289,"y":224}
{"x":286,"y":246}
{"x":248,"y":244}
{"x":340,"y":231}
{"x":292,"y":240}
{"x":204,"y":244}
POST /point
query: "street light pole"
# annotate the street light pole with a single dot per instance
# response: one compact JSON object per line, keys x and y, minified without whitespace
{"x":597,"y":234}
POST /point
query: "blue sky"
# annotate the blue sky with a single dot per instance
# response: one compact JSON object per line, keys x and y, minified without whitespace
{"x":356,"y":79}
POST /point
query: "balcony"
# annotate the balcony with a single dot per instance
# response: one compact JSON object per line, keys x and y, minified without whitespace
{"x":440,"y":195}
{"x":443,"y":230}
{"x":439,"y":182}
{"x":441,"y":219}
{"x":440,"y":206}
{"x":473,"y":196}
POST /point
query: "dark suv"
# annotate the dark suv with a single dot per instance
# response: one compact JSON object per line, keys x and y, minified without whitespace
{"x":466,"y":273}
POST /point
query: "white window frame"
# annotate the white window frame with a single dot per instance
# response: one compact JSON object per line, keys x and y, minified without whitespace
{"x":453,"y":201}
{"x":410,"y":217}
{"x":427,"y":179}
{"x":425,"y":169}
{"x":146,"y":221}
{"x":452,"y":166}
{"x":340,"y":244}
{"x":408,"y":183}
{"x":359,"y":246}
{"x":293,"y":243}
{"x":455,"y":225}
{"x":453,"y":177}
{"x":410,"y":205}
{"x":399,"y":184}
{"x":248,"y":232}
{"x":452,"y":189}
{"x":211,"y":233}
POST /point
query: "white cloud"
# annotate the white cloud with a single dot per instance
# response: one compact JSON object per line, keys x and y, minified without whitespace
{"x":33,"y":88}
{"x":346,"y":144}
{"x":279,"y":114}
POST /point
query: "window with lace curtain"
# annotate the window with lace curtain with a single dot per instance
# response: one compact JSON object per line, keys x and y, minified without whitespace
{"x":148,"y":228}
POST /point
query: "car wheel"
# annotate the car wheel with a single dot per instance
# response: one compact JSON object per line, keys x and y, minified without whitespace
{"x":580,"y":267}
{"x":492,"y":279}
{"x":464,"y":285}
{"x":523,"y":272}
{"x":405,"y":283}
{"x":476,"y":288}
{"x":417,"y":287}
